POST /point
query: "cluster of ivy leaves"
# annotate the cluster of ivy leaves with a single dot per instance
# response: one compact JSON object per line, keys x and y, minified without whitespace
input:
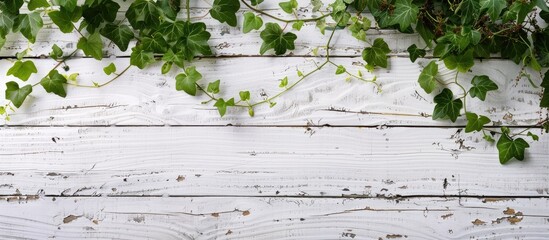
{"x":456,"y":32}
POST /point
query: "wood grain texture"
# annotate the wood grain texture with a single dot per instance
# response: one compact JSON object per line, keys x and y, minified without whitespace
{"x":259,"y":161}
{"x":273,"y":218}
{"x":145,"y":97}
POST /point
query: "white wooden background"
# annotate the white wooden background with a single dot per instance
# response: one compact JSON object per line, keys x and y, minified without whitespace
{"x":332,"y":160}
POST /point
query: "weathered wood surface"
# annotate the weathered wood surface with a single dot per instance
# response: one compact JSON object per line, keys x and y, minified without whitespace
{"x":273,"y":218}
{"x":263,"y":161}
{"x":145,"y":97}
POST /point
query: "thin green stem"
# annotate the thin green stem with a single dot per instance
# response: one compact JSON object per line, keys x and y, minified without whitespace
{"x":188,"y":7}
{"x":117,"y":75}
{"x":465,"y":92}
{"x":281,"y":19}
{"x":59,"y":64}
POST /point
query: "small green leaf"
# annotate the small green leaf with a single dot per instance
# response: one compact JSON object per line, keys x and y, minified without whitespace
{"x":166,"y":67}
{"x":22,"y":70}
{"x":297,"y":25}
{"x":340,"y":70}
{"x":475,"y":122}
{"x":283,"y":82}
{"x":244,"y":95}
{"x":251,"y":22}
{"x":56,"y":52}
{"x":110,"y":69}
{"x":141,"y":58}
{"x":288,"y":6}
{"x":256,"y":2}
{"x":54,"y":83}
{"x":213,"y":87}
{"x":34,"y":4}
{"x":415,"y":52}
{"x":251,"y":111}
{"x":92,"y":46}
{"x":493,"y":7}
{"x":274,"y":38}
{"x":447,"y":106}
{"x":155,"y":44}
{"x":73,"y":76}
{"x":482,"y":85}
{"x":17,"y":95}
{"x":462,"y":62}
{"x":187,"y":81}
{"x":222,"y":105}
{"x":533,"y":136}
{"x":509,"y":148}
{"x":177,"y":58}
{"x":427,"y":79}
{"x":225,"y":11}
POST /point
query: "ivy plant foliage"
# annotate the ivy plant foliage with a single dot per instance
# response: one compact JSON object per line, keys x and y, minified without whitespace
{"x":454,"y":32}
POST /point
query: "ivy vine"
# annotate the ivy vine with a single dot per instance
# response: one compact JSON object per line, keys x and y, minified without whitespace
{"x":455,"y":32}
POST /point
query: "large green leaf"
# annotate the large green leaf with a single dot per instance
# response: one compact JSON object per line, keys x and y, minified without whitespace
{"x":29,"y":25}
{"x":194,"y":40}
{"x":119,"y":35}
{"x":222,"y":105}
{"x":511,"y":148}
{"x":169,"y":8}
{"x":482,"y":85}
{"x":92,"y":46}
{"x":155,"y":44}
{"x":225,"y":11}
{"x":415,"y":52}
{"x":62,"y":20}
{"x":461,"y":62}
{"x":6,"y":24}
{"x":405,"y":14}
{"x":376,"y":55}
{"x":470,"y":10}
{"x":493,"y":7}
{"x":274,"y":38}
{"x":54,"y":83}
{"x":427,"y":79}
{"x":143,"y":14}
{"x":141,"y":58}
{"x":22,"y":70}
{"x":34,"y":4}
{"x":447,"y":106}
{"x":17,"y":95}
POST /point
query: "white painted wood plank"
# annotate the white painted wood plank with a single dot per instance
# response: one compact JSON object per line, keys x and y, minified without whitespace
{"x":263,"y":161}
{"x":145,"y":97}
{"x":273,"y":218}
{"x":226,"y":40}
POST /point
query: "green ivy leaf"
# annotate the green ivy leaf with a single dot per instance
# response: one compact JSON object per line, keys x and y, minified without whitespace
{"x":6,"y":24}
{"x":54,"y":83}
{"x":213,"y":87}
{"x":376,"y":55}
{"x":155,"y":44}
{"x":141,"y":58}
{"x":70,"y":5}
{"x":533,"y":136}
{"x":17,"y":95}
{"x":288,"y":6}
{"x":11,"y":6}
{"x":143,"y":14}
{"x":283,"y":82}
{"x":222,"y":105}
{"x":225,"y":11}
{"x":119,"y":35}
{"x":28,"y":25}
{"x":92,"y":46}
{"x":34,"y":4}
{"x":187,"y":81}
{"x":427,"y":79}
{"x":110,"y":69}
{"x":482,"y":85}
{"x":298,"y":25}
{"x":470,"y":10}
{"x":274,"y":38}
{"x":509,"y":148}
{"x":493,"y":7}
{"x":463,"y":62}
{"x":22,"y":70}
{"x":2,"y":41}
{"x":103,"y":12}
{"x":194,"y":40}
{"x":447,"y":106}
{"x":166,"y":67}
{"x":340,"y":70}
{"x":177,"y":58}
{"x":256,"y":2}
{"x":62,"y":20}
{"x":405,"y":14}
{"x":251,"y":22}
{"x":475,"y":122}
{"x":415,"y":52}
{"x":169,"y":8}
{"x":244,"y":95}
{"x":56,"y":52}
